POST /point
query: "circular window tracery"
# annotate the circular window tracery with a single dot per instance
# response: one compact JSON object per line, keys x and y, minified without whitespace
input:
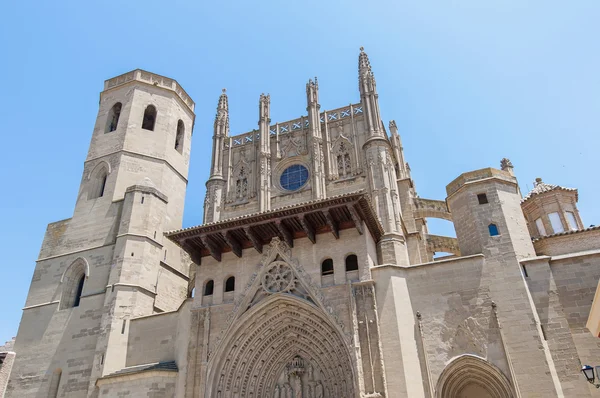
{"x":278,"y":278}
{"x":294,"y":177}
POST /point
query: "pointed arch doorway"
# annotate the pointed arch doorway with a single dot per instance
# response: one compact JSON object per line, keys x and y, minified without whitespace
{"x":282,"y":347}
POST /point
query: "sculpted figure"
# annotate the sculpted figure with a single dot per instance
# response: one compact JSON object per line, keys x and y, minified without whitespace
{"x":310,"y":372}
{"x":297,"y":387}
{"x":288,"y":390}
{"x":277,"y":392}
{"x":319,"y":390}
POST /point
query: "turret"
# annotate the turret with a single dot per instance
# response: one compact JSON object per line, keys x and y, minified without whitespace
{"x":551,"y":209}
{"x":216,"y":183}
{"x":485,"y":207}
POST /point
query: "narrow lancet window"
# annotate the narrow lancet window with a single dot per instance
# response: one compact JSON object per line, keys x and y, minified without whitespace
{"x":230,"y":284}
{"x":179,"y":136}
{"x":113,"y":117}
{"x":149,"y":118}
{"x":351,"y":263}
{"x":327,"y":267}
{"x":209,"y":287}
{"x":79,"y":291}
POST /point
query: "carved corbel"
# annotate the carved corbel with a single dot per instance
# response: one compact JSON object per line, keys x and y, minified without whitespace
{"x":286,"y":234}
{"x":256,"y":242}
{"x":212,"y":248}
{"x":332,"y":224}
{"x":308,"y":229}
{"x":232,"y":242}
{"x":357,"y":221}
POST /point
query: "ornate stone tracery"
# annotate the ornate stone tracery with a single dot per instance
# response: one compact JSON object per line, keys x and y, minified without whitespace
{"x":283,"y":342}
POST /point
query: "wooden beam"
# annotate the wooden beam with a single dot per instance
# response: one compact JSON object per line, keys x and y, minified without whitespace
{"x":194,"y":255}
{"x":232,"y":242}
{"x":286,"y":234}
{"x":357,"y":220}
{"x":254,"y":239}
{"x":332,"y":224}
{"x":214,"y":251}
{"x":308,"y":229}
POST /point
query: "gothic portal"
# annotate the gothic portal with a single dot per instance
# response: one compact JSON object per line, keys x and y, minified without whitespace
{"x":313,"y":274}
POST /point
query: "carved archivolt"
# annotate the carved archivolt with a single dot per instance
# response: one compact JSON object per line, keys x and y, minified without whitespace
{"x":279,"y":326}
{"x":256,"y":356}
{"x":468,"y":370}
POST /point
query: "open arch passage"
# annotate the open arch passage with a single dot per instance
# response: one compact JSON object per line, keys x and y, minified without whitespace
{"x":472,"y":376}
{"x":283,"y":344}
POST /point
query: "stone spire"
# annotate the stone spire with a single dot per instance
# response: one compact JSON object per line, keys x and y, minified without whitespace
{"x":221,"y":131}
{"x":403,"y":170}
{"x":264,"y":120}
{"x":368,"y":95}
{"x":315,"y":140}
{"x":215,"y":185}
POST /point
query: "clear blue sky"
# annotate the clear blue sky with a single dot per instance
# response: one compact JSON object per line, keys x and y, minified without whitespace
{"x":468,"y":82}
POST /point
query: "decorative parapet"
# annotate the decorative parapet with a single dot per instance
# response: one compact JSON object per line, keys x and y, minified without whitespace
{"x":431,"y":208}
{"x":299,"y":124}
{"x":155,"y":80}
{"x":437,"y":243}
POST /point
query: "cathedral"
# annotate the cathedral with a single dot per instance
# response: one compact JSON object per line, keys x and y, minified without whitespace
{"x":313,"y":274}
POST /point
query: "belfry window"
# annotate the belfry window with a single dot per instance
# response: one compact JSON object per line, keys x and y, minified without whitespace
{"x":79,"y":291}
{"x":179,"y":136}
{"x":327,"y":267}
{"x":209,"y":287}
{"x":73,"y":282}
{"x":482,"y":198}
{"x":98,"y":184}
{"x":149,"y":118}
{"x":493,"y":229}
{"x":230,"y":284}
{"x":351,"y":263}
{"x":113,"y":117}
{"x":556,"y":223}
{"x":344,"y":164}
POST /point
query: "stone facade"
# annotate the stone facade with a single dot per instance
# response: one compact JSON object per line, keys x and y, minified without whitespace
{"x":313,"y":274}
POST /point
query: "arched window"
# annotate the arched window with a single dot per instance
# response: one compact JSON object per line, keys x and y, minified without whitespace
{"x":149,"y":118}
{"x":344,"y":164}
{"x":351,"y":263}
{"x":230,"y":284}
{"x":179,"y":136}
{"x":79,"y":291}
{"x":73,"y":281}
{"x":327,"y":267}
{"x":493,"y":228}
{"x":113,"y":118}
{"x":241,"y":184}
{"x":209,"y":287}
{"x":98,"y":184}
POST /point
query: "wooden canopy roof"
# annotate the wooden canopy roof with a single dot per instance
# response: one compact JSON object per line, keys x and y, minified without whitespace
{"x":306,"y":219}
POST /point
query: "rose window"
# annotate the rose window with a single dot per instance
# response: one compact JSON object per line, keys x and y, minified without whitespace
{"x":278,"y":278}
